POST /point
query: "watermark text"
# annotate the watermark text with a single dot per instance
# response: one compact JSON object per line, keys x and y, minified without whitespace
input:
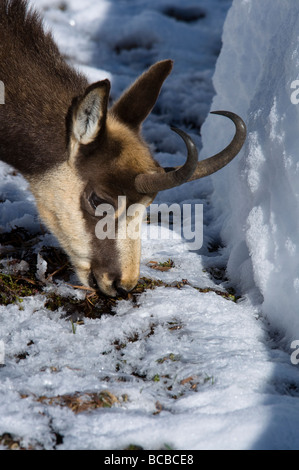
{"x":295,"y":354}
{"x":2,"y":93}
{"x":180,"y":221}
{"x":295,"y":93}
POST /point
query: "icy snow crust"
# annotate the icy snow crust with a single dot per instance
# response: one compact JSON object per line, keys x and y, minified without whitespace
{"x":258,"y":217}
{"x":191,"y":370}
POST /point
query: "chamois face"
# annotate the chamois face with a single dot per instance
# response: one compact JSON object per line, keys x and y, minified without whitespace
{"x":89,"y":200}
{"x":108,"y":204}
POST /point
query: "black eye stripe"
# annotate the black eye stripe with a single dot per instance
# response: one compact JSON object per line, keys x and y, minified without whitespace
{"x":95,"y":200}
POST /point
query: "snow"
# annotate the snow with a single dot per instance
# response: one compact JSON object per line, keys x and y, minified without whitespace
{"x":190,"y":369}
{"x":259,"y":227}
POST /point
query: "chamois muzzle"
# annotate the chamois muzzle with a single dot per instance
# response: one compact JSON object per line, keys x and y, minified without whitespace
{"x":192,"y":169}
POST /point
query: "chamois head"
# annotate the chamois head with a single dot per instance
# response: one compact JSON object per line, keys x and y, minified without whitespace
{"x":107,"y":158}
{"x":87,"y":165}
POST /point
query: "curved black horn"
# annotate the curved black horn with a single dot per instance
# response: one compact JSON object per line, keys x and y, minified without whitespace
{"x":216,"y":162}
{"x":192,"y":169}
{"x":154,"y":183}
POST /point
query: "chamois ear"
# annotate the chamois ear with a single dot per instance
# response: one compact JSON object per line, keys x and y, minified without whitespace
{"x":137,"y":102}
{"x":87,"y":114}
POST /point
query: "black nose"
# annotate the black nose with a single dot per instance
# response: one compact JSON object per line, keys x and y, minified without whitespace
{"x":120,"y":290}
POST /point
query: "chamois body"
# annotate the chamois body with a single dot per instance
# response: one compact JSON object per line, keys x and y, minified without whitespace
{"x":57,"y":130}
{"x":39,"y":87}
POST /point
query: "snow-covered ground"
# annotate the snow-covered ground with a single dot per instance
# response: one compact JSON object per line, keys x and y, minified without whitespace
{"x":184,"y":365}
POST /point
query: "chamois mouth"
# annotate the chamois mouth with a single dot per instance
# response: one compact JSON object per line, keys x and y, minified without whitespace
{"x":112,"y":290}
{"x":121,"y":292}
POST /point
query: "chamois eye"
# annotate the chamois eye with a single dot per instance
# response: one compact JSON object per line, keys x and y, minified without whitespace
{"x":95,"y":200}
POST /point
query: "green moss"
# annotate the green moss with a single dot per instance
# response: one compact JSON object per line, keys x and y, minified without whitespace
{"x":54,"y":301}
{"x":167,"y":264}
{"x":13,"y":288}
{"x":225,"y":294}
{"x":170,"y":357}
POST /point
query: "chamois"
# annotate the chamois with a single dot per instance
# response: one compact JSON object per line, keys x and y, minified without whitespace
{"x":77,"y":153}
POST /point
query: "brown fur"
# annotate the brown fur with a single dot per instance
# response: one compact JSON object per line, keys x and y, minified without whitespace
{"x":57,"y":130}
{"x":39,"y":88}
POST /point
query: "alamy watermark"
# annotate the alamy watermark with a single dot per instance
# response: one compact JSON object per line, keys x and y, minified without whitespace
{"x":180,"y":221}
{"x":295,"y":93}
{"x":2,"y":93}
{"x":295,"y":354}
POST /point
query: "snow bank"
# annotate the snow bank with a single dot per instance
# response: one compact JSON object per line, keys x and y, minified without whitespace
{"x":256,"y":198}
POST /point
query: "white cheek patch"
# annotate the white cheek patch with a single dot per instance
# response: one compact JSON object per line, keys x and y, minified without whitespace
{"x":129,"y":246}
{"x":57,"y":196}
{"x":129,"y":255}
